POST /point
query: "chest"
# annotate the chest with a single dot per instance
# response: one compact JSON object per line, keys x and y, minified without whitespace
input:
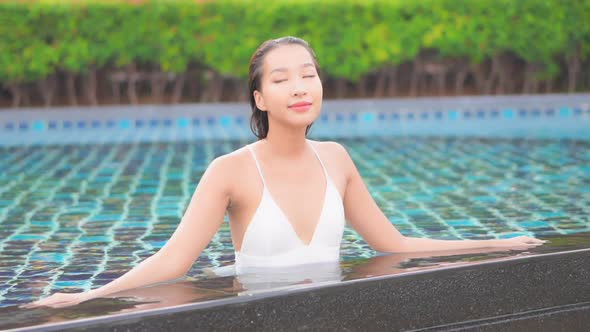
{"x":299,"y":193}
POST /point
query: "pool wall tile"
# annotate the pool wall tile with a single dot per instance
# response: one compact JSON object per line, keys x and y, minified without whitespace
{"x":38,"y":125}
{"x":564,"y":112}
{"x":391,"y":117}
{"x":226,"y":121}
{"x":182,"y":122}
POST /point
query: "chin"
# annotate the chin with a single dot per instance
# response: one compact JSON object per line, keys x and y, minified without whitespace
{"x":309,"y":118}
{"x":302,"y":122}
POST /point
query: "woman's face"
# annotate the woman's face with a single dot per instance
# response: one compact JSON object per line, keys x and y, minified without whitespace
{"x":290,"y":88}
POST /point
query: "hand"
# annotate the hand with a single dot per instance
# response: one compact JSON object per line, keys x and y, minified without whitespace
{"x":520,"y":241}
{"x":59,"y":300}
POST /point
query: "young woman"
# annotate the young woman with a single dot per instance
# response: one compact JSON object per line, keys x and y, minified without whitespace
{"x":287,"y":197}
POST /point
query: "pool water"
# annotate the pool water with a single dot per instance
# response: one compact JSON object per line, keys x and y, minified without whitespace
{"x":76,"y":216}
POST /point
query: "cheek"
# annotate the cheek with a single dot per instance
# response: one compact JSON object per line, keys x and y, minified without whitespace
{"x":275,"y":90}
{"x":318,"y":89}
{"x":274,"y":95}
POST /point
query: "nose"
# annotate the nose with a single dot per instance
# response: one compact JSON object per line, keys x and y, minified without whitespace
{"x":299,"y":88}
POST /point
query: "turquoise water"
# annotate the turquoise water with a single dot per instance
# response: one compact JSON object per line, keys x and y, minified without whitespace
{"x":74,"y":217}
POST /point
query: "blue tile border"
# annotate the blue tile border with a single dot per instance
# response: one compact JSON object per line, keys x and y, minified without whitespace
{"x":229,"y":120}
{"x":356,"y":112}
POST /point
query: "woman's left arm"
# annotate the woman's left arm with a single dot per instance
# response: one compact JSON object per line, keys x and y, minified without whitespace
{"x":363,"y":214}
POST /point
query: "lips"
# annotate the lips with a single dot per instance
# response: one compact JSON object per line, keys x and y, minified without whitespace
{"x":300,"y":107}
{"x":300,"y":104}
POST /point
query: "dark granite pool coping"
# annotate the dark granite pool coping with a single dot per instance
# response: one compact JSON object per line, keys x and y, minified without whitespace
{"x":539,"y":291}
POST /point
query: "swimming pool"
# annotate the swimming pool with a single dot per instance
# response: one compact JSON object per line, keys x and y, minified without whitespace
{"x":86,"y":196}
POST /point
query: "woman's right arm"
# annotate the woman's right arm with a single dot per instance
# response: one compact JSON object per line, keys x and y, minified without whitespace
{"x":201,"y":220}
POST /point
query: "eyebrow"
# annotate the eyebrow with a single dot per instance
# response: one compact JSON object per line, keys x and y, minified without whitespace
{"x":283,"y":69}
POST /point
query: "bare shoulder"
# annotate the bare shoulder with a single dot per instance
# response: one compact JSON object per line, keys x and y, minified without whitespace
{"x":332,"y":150}
{"x":336,"y":154}
{"x":229,"y":175}
{"x":225,"y":170}
{"x":229,"y":163}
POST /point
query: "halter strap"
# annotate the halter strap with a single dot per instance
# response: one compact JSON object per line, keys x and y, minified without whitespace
{"x":257,"y":164}
{"x":320,"y":159}
{"x":260,"y":168}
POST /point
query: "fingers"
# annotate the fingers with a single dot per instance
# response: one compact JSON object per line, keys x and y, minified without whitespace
{"x":64,"y":304}
{"x":37,"y":304}
{"x":527,"y":239}
{"x":52,"y":304}
{"x":521,"y":242}
{"x":533,"y":240}
{"x":51,"y":301}
{"x":58,"y":300}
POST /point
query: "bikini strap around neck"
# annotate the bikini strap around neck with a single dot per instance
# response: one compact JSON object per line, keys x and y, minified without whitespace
{"x":318,"y":156}
{"x":260,"y":168}
{"x":257,"y":163}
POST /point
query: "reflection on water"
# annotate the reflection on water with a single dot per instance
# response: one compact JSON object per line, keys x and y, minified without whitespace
{"x":12,"y":317}
{"x":222,"y":283}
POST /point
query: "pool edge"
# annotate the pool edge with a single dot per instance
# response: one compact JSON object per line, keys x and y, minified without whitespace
{"x":407,"y":301}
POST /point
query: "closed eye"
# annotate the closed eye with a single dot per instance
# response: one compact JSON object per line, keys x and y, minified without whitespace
{"x":283,"y":80}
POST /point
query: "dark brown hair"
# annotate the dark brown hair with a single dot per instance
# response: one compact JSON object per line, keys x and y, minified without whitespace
{"x":259,"y":119}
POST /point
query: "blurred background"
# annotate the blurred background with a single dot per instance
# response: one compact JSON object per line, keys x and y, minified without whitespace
{"x":65,"y":52}
{"x":111,"y":111}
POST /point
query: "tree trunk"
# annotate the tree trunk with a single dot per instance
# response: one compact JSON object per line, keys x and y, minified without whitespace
{"x":506,"y":74}
{"x":217,"y":91}
{"x":573,"y":68}
{"x":462,"y":73}
{"x":242,"y":90}
{"x":16,"y":93}
{"x":502,"y":81}
{"x":415,"y":80}
{"x":380,"y":84}
{"x":194,"y":90}
{"x":340,"y":88}
{"x":208,"y":76}
{"x":157,"y":85}
{"x":548,"y":85}
{"x":362,"y":86}
{"x":493,"y":77}
{"x":178,"y":87}
{"x":117,"y":78}
{"x":91,"y":86}
{"x":440,"y":82}
{"x":132,"y":77}
{"x":71,"y":88}
{"x":479,"y":75}
{"x":526,"y":84}
{"x":26,"y":92}
{"x":392,"y":81}
{"x":214,"y":89}
{"x":46,"y":87}
{"x":531,"y":82}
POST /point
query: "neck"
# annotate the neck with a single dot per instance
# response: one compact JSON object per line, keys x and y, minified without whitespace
{"x":286,"y":142}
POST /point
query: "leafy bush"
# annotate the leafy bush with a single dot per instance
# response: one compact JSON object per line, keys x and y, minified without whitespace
{"x":352,"y":38}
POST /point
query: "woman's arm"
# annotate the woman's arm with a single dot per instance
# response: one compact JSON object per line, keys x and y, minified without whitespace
{"x":201,"y":220}
{"x":363,"y":214}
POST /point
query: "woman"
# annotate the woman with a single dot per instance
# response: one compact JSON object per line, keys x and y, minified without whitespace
{"x":287,"y":197}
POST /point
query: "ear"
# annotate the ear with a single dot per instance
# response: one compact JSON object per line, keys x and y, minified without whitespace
{"x":259,"y":101}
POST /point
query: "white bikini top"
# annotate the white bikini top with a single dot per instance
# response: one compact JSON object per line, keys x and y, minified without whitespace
{"x":271,"y":241}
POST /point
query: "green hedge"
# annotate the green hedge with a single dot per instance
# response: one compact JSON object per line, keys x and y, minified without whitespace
{"x":351,"y":37}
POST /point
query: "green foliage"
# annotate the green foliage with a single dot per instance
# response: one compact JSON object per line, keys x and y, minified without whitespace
{"x":351,"y":37}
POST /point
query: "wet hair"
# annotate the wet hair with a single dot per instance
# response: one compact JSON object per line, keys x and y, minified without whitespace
{"x":259,"y":119}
